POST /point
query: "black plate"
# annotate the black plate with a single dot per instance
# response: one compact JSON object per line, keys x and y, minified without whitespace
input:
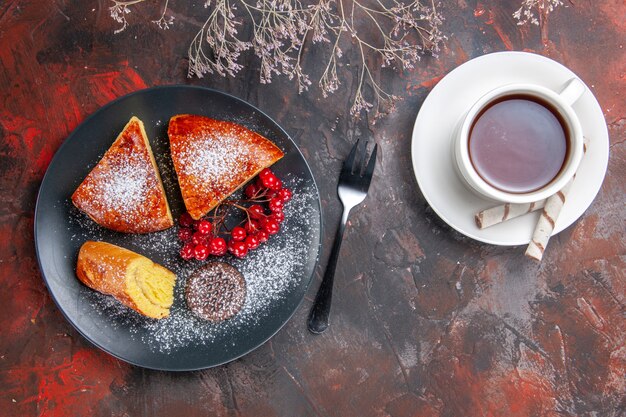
{"x":60,"y":230}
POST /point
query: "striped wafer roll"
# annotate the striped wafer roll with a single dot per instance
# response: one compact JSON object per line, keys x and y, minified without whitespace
{"x":498,"y":214}
{"x":547,"y":220}
{"x":504,"y":212}
{"x":545,"y":225}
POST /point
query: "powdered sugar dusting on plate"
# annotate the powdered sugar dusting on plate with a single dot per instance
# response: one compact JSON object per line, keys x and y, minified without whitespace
{"x":271,"y":272}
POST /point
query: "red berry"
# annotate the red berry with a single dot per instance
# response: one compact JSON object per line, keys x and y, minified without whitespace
{"x":185,"y":220}
{"x":252,"y":242}
{"x":279,"y":216}
{"x":262,"y":236}
{"x":184,"y":234}
{"x":198,"y":238}
{"x":271,"y":226}
{"x":285,"y":194}
{"x":256,"y":211}
{"x":269,"y":181}
{"x":276,"y":204}
{"x":238,"y":233}
{"x":201,"y":252}
{"x":278,"y":185}
{"x":217,"y":246}
{"x":204,"y":227}
{"x":251,"y":190}
{"x":187,"y":251}
{"x":265,"y":172}
{"x":261,"y":222}
{"x":252,"y":226}
{"x":239,"y":249}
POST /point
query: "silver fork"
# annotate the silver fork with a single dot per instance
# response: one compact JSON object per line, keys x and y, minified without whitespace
{"x":354,"y":181}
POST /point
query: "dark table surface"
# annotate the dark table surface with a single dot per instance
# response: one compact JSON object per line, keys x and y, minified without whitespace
{"x":426,"y":322}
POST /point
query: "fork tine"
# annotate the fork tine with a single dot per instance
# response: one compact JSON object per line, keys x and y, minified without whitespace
{"x":348,"y":164}
{"x":369,"y":171}
{"x":360,"y":157}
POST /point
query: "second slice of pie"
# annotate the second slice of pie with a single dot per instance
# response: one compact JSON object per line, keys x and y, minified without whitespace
{"x":214,"y":158}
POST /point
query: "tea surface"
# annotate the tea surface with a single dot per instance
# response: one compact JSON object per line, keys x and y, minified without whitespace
{"x":518,"y":144}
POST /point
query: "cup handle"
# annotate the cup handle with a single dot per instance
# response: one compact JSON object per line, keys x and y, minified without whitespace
{"x":572,"y":91}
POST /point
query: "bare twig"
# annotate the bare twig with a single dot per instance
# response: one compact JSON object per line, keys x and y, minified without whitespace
{"x":121,"y":8}
{"x":531,"y":10}
{"x":164,"y":22}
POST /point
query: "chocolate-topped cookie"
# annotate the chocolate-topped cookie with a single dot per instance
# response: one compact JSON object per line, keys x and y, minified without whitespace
{"x":215,"y":291}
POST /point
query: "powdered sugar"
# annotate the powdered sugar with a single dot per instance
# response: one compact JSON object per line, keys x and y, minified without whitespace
{"x":124,"y":186}
{"x":272,"y":272}
{"x":214,"y":159}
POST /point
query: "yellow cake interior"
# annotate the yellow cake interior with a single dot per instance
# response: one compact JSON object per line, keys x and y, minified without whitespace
{"x":151,"y":287}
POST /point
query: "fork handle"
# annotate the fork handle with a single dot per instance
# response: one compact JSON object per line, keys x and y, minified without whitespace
{"x":318,"y":318}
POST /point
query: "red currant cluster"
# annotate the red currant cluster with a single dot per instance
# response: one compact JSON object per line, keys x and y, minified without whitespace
{"x":206,"y":237}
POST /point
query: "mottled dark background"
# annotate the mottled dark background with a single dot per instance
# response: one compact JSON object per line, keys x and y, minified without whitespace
{"x":426,"y":322}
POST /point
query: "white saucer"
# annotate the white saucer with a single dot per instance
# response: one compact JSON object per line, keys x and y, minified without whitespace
{"x":431,"y":147}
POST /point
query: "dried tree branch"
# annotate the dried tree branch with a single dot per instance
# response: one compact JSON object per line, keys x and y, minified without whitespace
{"x":531,"y":10}
{"x":279,"y":31}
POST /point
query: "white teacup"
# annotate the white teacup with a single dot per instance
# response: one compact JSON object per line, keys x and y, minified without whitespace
{"x":559,"y":102}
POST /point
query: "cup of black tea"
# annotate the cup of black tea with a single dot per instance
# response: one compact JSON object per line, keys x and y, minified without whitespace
{"x":520,"y":143}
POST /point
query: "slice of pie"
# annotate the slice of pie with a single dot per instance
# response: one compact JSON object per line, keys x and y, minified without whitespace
{"x":214,"y":158}
{"x":124,"y":192}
